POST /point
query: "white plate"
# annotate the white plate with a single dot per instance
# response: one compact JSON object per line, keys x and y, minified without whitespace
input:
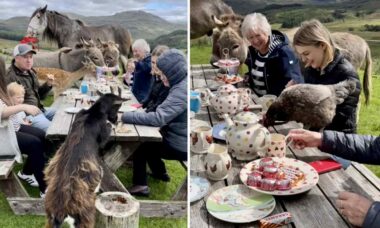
{"x":310,"y":180}
{"x":73,"y":110}
{"x":199,"y":187}
{"x":239,"y":204}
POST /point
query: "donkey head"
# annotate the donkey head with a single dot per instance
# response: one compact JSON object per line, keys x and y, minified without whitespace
{"x":110,"y":51}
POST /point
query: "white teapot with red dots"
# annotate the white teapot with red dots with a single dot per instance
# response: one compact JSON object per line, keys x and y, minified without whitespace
{"x":246,"y":138}
{"x":228,"y":100}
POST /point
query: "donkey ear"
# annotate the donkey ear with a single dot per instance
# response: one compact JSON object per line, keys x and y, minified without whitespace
{"x":43,"y":10}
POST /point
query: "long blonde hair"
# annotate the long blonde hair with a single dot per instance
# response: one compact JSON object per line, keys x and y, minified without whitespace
{"x":314,"y":33}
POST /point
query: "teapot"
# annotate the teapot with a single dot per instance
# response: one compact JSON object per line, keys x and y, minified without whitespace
{"x":246,"y":138}
{"x":228,"y":100}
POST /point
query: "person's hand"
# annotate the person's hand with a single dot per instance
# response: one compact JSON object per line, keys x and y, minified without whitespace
{"x":50,"y":79}
{"x":27,"y":122}
{"x":31,"y":109}
{"x":290,"y":83}
{"x":302,"y":138}
{"x":353,"y":206}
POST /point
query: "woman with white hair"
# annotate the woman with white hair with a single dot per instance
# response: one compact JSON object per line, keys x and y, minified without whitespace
{"x":271,"y":61}
{"x":142,"y":80}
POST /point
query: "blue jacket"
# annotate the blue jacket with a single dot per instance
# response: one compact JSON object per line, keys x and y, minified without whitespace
{"x":171,"y":114}
{"x":281,"y":67}
{"x":360,"y":148}
{"x":142,"y":79}
{"x":337,"y":71}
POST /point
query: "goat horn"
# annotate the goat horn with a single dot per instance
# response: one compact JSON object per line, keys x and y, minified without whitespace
{"x":218,"y":22}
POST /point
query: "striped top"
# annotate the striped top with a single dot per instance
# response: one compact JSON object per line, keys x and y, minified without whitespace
{"x":258,"y":67}
{"x":16,"y":119}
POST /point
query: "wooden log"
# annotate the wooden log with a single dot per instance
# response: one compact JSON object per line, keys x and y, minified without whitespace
{"x":116,"y":209}
{"x":6,"y":167}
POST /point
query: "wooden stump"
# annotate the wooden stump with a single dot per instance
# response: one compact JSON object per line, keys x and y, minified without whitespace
{"x":116,"y":210}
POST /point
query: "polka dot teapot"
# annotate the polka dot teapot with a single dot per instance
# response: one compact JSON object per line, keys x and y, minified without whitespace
{"x":246,"y":138}
{"x":229,"y":100}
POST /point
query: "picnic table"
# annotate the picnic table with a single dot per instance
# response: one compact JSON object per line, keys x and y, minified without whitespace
{"x":124,"y":139}
{"x":314,"y":208}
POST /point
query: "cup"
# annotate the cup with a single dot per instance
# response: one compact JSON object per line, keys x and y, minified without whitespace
{"x":195,"y":101}
{"x":217,"y":162}
{"x":201,"y":139}
{"x":204,"y":95}
{"x":277,"y":147}
{"x":267,"y":101}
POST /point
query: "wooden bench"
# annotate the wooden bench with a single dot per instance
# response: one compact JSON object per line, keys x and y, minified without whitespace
{"x":10,"y":184}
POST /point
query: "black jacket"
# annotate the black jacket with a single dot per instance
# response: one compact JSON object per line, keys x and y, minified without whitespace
{"x":337,"y":71}
{"x":34,"y":93}
{"x":281,"y":67}
{"x":157,"y":95}
{"x":360,"y":148}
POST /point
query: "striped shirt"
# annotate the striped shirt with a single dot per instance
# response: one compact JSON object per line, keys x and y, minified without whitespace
{"x":258,"y":67}
{"x":16,"y":119}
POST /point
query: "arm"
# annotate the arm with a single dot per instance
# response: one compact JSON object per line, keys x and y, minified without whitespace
{"x":290,"y":65}
{"x":372,"y":218}
{"x":10,"y":110}
{"x":174,"y":104}
{"x":360,"y":148}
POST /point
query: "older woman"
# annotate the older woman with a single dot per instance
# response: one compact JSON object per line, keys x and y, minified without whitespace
{"x":170,"y":116}
{"x":142,"y":80}
{"x":271,"y":61}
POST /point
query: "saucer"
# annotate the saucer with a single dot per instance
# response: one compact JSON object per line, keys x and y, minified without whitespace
{"x":73,"y":110}
{"x":219,"y":131}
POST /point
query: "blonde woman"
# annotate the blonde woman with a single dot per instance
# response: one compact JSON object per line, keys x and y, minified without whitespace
{"x":272,"y":63}
{"x":325,"y":65}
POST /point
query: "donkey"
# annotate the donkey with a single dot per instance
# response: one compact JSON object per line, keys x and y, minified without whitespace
{"x":67,"y":32}
{"x":70,"y":59}
{"x":74,"y":173}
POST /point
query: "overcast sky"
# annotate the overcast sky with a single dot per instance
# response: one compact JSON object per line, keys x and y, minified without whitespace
{"x":171,"y":10}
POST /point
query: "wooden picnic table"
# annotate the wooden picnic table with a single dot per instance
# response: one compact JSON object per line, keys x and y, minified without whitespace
{"x":315,"y":208}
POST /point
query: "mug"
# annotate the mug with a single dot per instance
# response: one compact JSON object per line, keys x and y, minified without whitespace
{"x":195,"y":101}
{"x":204,"y":95}
{"x":217,"y":162}
{"x":277,"y":146}
{"x":267,"y":101}
{"x":201,"y":139}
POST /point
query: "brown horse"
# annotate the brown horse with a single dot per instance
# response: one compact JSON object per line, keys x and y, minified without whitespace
{"x":67,"y":32}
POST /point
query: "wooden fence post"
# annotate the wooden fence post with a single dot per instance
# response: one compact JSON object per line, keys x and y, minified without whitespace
{"x":116,"y":210}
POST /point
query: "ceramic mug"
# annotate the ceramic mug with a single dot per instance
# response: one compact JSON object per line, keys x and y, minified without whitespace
{"x":195,"y":101}
{"x":201,"y":139}
{"x":277,"y":146}
{"x":267,"y":101}
{"x":217,"y":162}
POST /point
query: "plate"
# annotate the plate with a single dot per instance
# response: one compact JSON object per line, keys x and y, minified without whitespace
{"x":224,"y":65}
{"x":73,"y":110}
{"x":127,"y":108}
{"x":228,"y":79}
{"x":199,"y":187}
{"x":219,"y":131}
{"x":239,"y":204}
{"x":194,"y":123}
{"x":310,"y":180}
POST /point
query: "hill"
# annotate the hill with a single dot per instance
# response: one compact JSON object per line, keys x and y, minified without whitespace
{"x":176,"y":39}
{"x":140,"y":23}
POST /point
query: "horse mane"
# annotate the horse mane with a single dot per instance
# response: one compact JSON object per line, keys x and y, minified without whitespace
{"x":59,"y":27}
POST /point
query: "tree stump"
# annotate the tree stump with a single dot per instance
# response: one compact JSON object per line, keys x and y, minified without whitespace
{"x":116,"y":210}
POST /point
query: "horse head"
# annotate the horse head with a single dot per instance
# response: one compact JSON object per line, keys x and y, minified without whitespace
{"x":110,"y":51}
{"x":38,"y":22}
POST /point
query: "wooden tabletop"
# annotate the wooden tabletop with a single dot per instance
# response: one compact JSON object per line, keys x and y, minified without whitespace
{"x":315,"y":208}
{"x":62,"y":121}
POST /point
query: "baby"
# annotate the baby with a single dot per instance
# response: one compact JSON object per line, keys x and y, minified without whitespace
{"x":128,"y":76}
{"x":16,"y":93}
